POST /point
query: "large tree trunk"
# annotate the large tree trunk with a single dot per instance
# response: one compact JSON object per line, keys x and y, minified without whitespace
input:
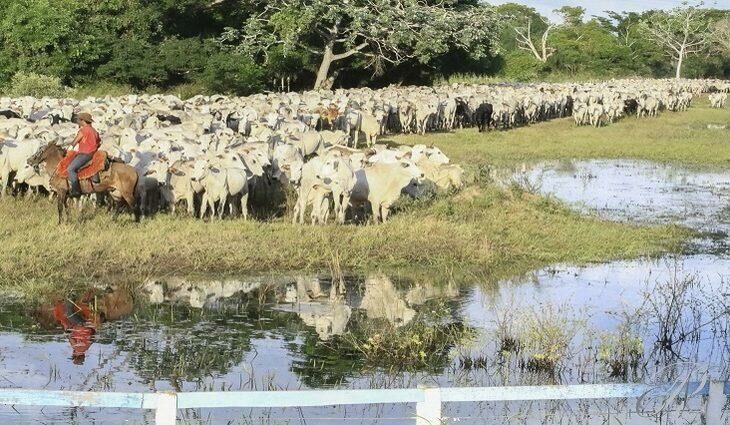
{"x":324,"y":67}
{"x":679,"y":65}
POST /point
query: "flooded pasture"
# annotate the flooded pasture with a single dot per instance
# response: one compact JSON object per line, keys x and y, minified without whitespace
{"x":639,"y":191}
{"x":642,"y":320}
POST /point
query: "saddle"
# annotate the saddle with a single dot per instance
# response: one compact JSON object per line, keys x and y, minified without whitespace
{"x":99,"y":162}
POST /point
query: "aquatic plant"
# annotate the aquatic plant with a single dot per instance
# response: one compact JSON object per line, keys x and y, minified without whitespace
{"x":422,"y":344}
{"x":620,"y":351}
{"x":543,"y":337}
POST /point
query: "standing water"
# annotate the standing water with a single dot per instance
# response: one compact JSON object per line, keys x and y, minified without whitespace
{"x":564,"y":324}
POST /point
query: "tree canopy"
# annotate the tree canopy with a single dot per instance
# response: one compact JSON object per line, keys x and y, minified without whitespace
{"x":243,"y":46}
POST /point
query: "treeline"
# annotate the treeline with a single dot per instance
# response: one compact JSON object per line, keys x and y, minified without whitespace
{"x":247,"y":46}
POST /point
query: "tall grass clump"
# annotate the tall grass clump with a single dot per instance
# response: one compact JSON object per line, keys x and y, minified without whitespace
{"x":621,"y":350}
{"x":35,"y":85}
{"x":100,"y":89}
{"x":538,"y":339}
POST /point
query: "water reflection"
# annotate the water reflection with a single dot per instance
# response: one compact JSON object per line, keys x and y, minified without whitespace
{"x":82,"y":317}
{"x":310,"y":332}
{"x":198,"y":293}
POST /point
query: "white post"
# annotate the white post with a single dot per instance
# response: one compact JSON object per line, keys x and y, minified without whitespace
{"x":166,"y":413}
{"x":715,"y":403}
{"x":428,"y":412}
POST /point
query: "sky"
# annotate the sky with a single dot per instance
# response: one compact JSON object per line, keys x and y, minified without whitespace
{"x":596,"y":7}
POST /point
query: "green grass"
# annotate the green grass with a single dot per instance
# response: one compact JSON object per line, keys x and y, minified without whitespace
{"x":681,"y":137}
{"x":489,"y":231}
{"x":483,"y":233}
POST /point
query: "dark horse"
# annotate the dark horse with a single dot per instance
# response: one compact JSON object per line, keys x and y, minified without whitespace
{"x":119,"y":180}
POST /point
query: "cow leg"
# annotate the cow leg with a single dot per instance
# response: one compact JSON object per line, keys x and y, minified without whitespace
{"x":244,"y":205}
{"x":336,"y":200}
{"x":375,"y":208}
{"x":384,"y":211}
{"x":4,"y":187}
{"x":203,"y":206}
{"x":296,"y":207}
{"x":222,"y":206}
{"x":143,"y":203}
{"x":190,"y":200}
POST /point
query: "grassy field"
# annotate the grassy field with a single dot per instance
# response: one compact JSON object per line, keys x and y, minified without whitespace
{"x":483,"y":230}
{"x":681,"y":137}
{"x":483,"y":233}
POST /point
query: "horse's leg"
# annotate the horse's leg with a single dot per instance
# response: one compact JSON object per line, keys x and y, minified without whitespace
{"x":130,"y":200}
{"x":65,"y":207}
{"x":60,"y":202}
{"x":115,"y":208}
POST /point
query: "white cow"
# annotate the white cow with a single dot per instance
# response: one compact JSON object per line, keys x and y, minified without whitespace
{"x":381,"y":185}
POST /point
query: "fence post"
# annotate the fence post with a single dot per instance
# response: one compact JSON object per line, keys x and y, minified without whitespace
{"x":715,"y":403}
{"x":166,"y":412}
{"x":428,"y":412}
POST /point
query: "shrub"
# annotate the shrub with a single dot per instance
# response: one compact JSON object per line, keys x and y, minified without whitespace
{"x":36,"y":85}
{"x":233,"y":74}
{"x":520,"y":66}
{"x":134,"y":62}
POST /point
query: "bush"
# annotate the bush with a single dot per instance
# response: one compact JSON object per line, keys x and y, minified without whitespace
{"x":521,"y":66}
{"x":136,"y":63}
{"x":233,"y":74}
{"x":36,"y":85}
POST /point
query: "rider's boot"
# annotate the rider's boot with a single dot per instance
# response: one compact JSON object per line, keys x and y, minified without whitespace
{"x":75,"y":189}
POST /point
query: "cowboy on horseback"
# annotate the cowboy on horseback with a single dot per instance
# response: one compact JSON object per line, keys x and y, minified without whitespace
{"x":88,"y":141}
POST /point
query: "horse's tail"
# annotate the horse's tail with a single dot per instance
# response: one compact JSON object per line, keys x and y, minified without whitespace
{"x":139,"y":188}
{"x":138,"y":199}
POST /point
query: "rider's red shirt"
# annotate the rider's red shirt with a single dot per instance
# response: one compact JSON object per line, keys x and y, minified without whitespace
{"x":90,"y":140}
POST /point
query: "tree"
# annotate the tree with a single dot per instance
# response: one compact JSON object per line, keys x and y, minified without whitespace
{"x":41,"y":35}
{"x":524,"y":40}
{"x":385,"y":32}
{"x":681,"y":32}
{"x":589,"y":49}
{"x":572,"y":15}
{"x":721,"y":35}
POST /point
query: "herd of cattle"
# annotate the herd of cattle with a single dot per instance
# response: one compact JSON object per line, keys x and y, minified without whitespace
{"x":212,"y":151}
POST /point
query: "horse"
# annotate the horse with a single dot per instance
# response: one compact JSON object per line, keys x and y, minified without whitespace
{"x":119,"y":180}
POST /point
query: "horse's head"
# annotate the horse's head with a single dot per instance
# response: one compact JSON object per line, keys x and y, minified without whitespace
{"x":43,"y":154}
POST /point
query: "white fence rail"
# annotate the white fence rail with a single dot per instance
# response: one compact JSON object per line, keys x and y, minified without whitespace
{"x":428,"y":399}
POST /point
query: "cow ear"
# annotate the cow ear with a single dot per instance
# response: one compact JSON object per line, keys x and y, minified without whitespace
{"x":405,"y":164}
